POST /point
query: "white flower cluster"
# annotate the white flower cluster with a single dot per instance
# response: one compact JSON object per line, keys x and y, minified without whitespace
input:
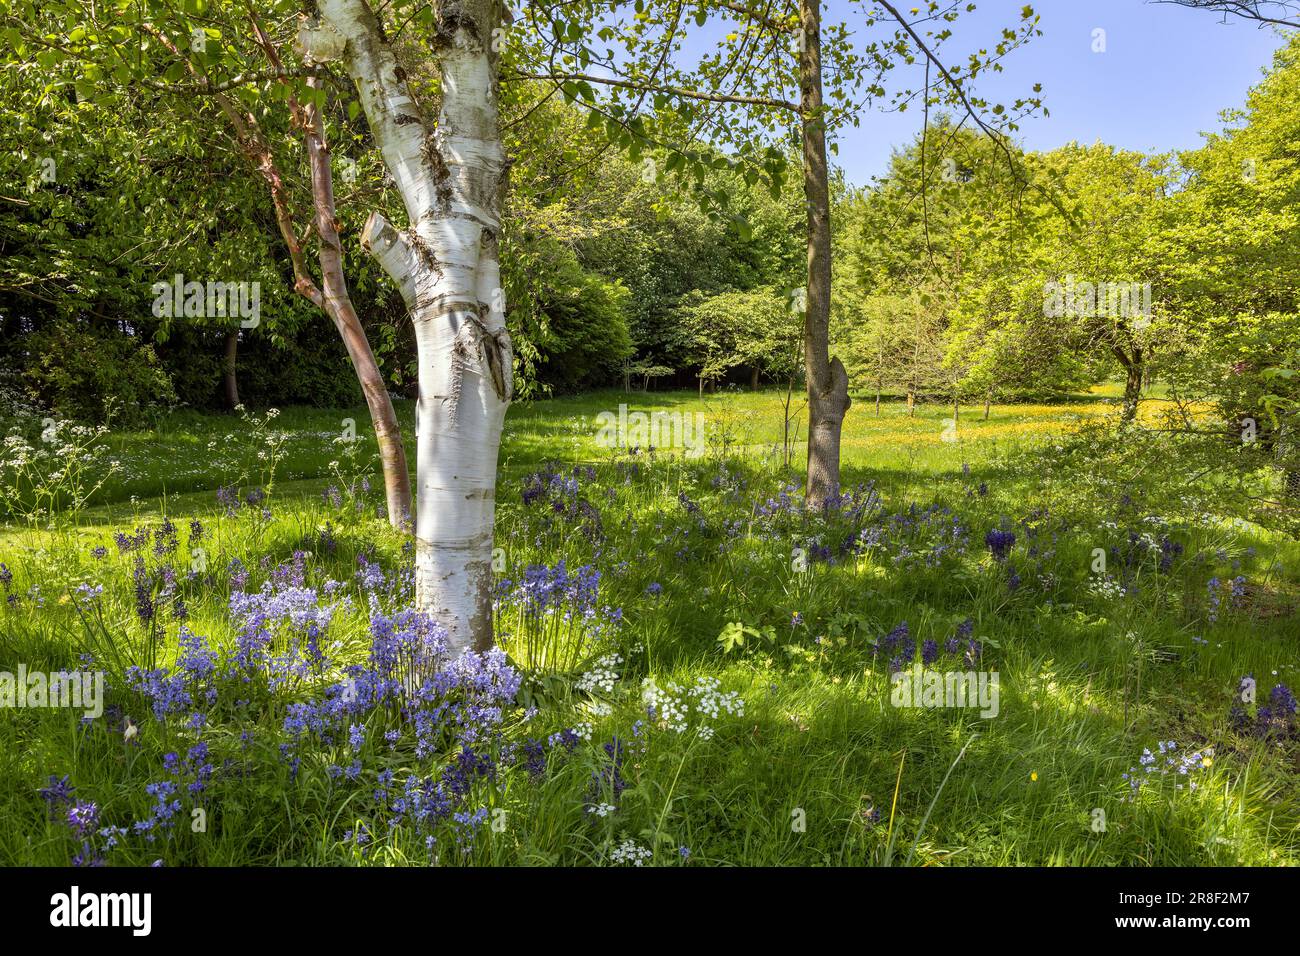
{"x":602,"y":677}
{"x":666,"y":705}
{"x":630,"y":853}
{"x":712,"y":702}
{"x":672,"y":705}
{"x":1107,"y":588}
{"x":602,"y":809}
{"x":60,"y":441}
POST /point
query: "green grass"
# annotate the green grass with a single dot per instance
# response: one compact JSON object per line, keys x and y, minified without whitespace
{"x":1087,"y":681}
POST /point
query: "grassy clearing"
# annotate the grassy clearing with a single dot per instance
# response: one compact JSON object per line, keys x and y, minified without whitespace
{"x":819,"y":768}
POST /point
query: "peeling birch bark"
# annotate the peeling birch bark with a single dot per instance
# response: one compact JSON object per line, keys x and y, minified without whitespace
{"x":452,"y":178}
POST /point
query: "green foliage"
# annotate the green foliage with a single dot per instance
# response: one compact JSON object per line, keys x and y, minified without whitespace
{"x":1229,"y":251}
{"x":570,"y":325}
{"x":758,"y":329}
{"x":90,"y":374}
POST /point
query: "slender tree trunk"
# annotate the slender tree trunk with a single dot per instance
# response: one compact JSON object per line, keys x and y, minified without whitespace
{"x":911,"y":403}
{"x":987,"y":404}
{"x":955,"y":411}
{"x":335,"y":301}
{"x":753,"y":379}
{"x":828,"y":382}
{"x":786,"y":449}
{"x":877,"y":402}
{"x":338,"y":306}
{"x":701,"y":378}
{"x":230,"y":383}
{"x":452,"y":178}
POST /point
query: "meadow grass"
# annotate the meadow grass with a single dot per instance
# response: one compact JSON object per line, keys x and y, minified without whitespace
{"x":821,"y":767}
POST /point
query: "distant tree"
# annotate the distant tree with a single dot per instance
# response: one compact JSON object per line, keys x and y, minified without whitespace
{"x":1231,"y":244}
{"x":779,"y":73}
{"x":752,"y":329}
{"x":948,"y":214}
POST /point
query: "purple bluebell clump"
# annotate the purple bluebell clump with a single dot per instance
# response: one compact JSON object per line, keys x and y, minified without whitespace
{"x":1000,"y":542}
{"x":280,"y":631}
{"x":1274,"y":719}
{"x":57,"y":794}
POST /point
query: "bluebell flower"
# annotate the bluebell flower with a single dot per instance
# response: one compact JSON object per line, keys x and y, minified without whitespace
{"x":58,"y":794}
{"x":82,"y":819}
{"x":1000,"y":542}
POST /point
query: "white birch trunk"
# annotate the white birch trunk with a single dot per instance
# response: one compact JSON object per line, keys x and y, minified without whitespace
{"x":451,"y":176}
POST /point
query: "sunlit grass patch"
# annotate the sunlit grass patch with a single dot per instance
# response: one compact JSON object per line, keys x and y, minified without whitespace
{"x":724,"y":694}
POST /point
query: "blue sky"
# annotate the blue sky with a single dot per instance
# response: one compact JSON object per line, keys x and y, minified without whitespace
{"x":1166,"y":75}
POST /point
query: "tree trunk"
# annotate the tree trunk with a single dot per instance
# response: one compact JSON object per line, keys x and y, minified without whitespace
{"x":828,"y":382}
{"x":955,"y":411}
{"x":335,"y":301}
{"x":452,"y":179}
{"x":877,"y":403}
{"x":338,"y":306}
{"x":911,"y":403}
{"x":753,"y":379}
{"x":987,"y":404}
{"x":785,"y":423}
{"x":1133,"y":368}
{"x":701,"y":378}
{"x":230,"y":383}
{"x":1132,"y":393}
{"x":1284,"y":456}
